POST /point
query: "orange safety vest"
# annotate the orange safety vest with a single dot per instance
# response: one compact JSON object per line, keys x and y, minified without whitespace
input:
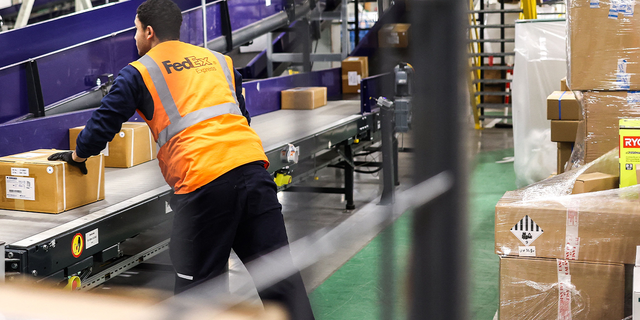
{"x":197,"y":123}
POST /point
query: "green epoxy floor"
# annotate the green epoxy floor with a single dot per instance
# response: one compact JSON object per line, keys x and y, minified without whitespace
{"x":352,"y":292}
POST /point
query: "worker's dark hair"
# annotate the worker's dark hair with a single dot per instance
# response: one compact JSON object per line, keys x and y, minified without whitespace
{"x":163,"y":16}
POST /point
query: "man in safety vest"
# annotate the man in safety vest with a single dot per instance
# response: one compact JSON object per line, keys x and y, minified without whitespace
{"x":224,"y":197}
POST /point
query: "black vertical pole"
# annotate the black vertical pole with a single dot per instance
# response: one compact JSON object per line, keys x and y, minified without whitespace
{"x":348,"y":177}
{"x":306,"y":46}
{"x":357,"y":28}
{"x":34,"y":90}
{"x":439,"y":255}
{"x":387,"y":126}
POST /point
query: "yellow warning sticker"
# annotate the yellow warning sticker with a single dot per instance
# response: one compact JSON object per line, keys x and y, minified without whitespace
{"x":77,"y":245}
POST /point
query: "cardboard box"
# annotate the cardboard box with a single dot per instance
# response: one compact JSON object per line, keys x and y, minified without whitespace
{"x":133,"y":145}
{"x":394,"y":35}
{"x":30,"y":182}
{"x":564,"y":154}
{"x":629,"y":152}
{"x":602,"y":111}
{"x":595,"y":181}
{"x":563,"y":105}
{"x":563,"y":84}
{"x":603,"y":46}
{"x":354,"y":69}
{"x":304,"y":98}
{"x":600,"y":226}
{"x":533,"y":288}
{"x":564,"y":130}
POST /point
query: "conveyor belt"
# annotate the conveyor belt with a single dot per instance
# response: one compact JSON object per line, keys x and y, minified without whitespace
{"x":125,"y":187}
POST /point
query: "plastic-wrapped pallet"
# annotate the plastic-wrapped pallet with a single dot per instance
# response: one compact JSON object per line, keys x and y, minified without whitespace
{"x":540,"y":63}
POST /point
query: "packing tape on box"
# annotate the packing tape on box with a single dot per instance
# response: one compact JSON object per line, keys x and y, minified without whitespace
{"x":150,"y":145}
{"x":64,"y":185}
{"x":560,"y":105}
{"x":132,"y":148}
{"x":99,"y":177}
{"x":572,"y":240}
{"x":564,"y":290}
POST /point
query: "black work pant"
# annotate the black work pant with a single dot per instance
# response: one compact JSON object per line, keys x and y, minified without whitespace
{"x":238,"y":210}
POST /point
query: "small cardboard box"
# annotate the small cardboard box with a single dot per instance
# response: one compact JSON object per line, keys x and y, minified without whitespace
{"x":564,"y":154}
{"x":354,"y":69}
{"x":595,"y":181}
{"x":564,"y":130}
{"x":629,"y":152}
{"x":563,"y":105}
{"x":304,"y":98}
{"x":394,"y":35}
{"x":533,"y":288}
{"x":133,"y":145}
{"x":563,"y":84}
{"x":30,"y":182}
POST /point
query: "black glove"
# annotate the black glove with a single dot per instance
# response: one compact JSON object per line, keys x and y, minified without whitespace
{"x":66,"y":156}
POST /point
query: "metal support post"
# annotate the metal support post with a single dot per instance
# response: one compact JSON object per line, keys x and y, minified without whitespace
{"x":387,"y":126}
{"x":204,"y":23}
{"x":439,"y":252}
{"x":24,"y":13}
{"x":306,"y":46}
{"x":344,"y":17}
{"x":2,"y":261}
{"x":269,"y":55}
{"x":396,"y":180}
{"x":348,"y":176}
{"x":356,"y":31}
{"x":380,"y":9}
{"x":34,"y":90}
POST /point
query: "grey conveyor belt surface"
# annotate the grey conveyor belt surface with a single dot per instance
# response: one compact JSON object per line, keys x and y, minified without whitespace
{"x":123,"y":187}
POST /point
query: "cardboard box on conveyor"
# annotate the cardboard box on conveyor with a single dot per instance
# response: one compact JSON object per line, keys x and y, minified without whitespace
{"x":30,"y":182}
{"x":133,"y":145}
{"x":304,"y":98}
{"x":354,"y":69}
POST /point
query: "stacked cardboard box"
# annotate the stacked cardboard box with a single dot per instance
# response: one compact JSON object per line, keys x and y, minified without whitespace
{"x":603,"y":61}
{"x":565,"y":113}
{"x":557,"y":250}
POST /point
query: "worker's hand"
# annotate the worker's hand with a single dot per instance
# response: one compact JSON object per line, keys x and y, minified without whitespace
{"x":67,"y":156}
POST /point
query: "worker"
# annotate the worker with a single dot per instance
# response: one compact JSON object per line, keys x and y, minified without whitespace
{"x":224,"y":198}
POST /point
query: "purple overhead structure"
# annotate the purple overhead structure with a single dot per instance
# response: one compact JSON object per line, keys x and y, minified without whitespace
{"x":68,"y":71}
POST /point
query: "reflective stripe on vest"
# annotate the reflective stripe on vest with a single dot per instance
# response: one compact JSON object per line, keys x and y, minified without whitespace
{"x":178,"y":122}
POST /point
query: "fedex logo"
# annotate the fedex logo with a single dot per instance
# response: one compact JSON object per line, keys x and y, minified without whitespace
{"x":631,"y":142}
{"x":188,"y":63}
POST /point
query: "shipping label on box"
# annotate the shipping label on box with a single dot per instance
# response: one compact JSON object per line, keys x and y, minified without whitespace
{"x":30,"y":182}
{"x":629,"y":152}
{"x":133,"y":145}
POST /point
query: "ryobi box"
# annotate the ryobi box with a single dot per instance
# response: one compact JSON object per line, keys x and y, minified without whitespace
{"x":629,"y":152}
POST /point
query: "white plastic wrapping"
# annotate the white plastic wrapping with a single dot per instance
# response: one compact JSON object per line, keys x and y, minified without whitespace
{"x":540,"y":63}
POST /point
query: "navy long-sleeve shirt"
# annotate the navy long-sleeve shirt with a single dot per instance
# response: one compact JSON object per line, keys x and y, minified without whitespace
{"x":128,"y":94}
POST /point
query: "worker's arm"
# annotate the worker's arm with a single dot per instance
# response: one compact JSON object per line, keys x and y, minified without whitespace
{"x":241,"y":102}
{"x":127,"y":94}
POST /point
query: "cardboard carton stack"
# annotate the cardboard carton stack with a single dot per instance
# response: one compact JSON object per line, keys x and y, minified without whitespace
{"x":565,"y":113}
{"x":563,"y":255}
{"x":603,"y":42}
